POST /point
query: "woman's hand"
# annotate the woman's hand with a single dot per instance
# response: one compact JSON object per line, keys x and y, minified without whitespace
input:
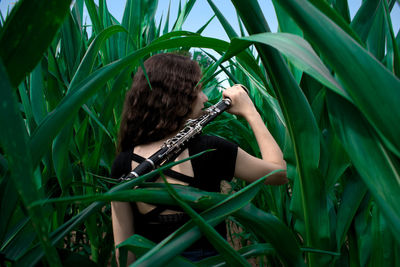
{"x":241,"y":102}
{"x":248,"y":167}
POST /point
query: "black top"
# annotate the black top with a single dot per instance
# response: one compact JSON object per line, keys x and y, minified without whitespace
{"x":209,"y":170}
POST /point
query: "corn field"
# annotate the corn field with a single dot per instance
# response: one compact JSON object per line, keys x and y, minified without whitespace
{"x":326,"y":85}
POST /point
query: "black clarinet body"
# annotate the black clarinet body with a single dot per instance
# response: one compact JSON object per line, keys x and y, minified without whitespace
{"x":174,"y":146}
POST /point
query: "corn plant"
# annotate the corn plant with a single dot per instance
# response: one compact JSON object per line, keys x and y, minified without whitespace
{"x":326,"y":86}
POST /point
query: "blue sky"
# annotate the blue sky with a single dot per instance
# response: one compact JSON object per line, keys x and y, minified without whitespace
{"x":202,"y":12}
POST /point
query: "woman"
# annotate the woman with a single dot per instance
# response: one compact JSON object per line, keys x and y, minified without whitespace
{"x":153,"y":114}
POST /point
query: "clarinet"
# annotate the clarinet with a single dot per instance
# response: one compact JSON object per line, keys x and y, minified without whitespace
{"x":175,"y":145}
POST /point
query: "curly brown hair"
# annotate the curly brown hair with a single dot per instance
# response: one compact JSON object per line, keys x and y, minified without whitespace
{"x":153,"y":112}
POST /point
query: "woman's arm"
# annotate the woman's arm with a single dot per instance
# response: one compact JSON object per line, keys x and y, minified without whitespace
{"x":122,"y":223}
{"x":248,"y":167}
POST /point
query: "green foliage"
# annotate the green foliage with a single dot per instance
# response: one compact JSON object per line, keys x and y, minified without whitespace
{"x":326,"y":86}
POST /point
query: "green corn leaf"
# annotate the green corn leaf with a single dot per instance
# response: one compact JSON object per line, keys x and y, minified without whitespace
{"x":353,"y":194}
{"x":36,"y":252}
{"x":248,"y":251}
{"x":202,"y":28}
{"x":27,"y":33}
{"x":366,"y":80}
{"x":384,"y":247}
{"x":37,"y":96}
{"x":271,"y":230}
{"x":94,"y":16}
{"x":364,"y":18}
{"x":224,"y":22}
{"x":71,"y":42}
{"x":277,"y":231}
{"x":182,"y":15}
{"x":140,"y":245}
{"x":297,"y":50}
{"x":286,"y":24}
{"x":231,"y":256}
{"x":88,"y":61}
{"x":66,"y":110}
{"x":13,"y":140}
{"x":170,"y":35}
{"x":376,"y":37}
{"x":335,"y":17}
{"x":26,"y":103}
{"x":378,"y":168}
{"x":171,"y":246}
{"x":96,"y":120}
{"x":395,"y":66}
{"x":132,"y":22}
{"x":342,"y":7}
{"x":19,"y":238}
{"x":309,"y":185}
{"x":60,"y":155}
{"x":246,"y":61}
{"x":8,"y":205}
{"x":77,"y":13}
{"x":166,"y":25}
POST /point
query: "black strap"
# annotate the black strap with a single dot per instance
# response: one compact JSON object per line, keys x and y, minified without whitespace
{"x":153,"y":214}
{"x":171,"y":173}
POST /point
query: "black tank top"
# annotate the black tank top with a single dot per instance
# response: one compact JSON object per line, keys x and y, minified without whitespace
{"x":209,"y":170}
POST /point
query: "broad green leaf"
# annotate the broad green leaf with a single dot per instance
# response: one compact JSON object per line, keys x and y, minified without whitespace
{"x":27,"y":33}
{"x":94,"y":16}
{"x":140,"y":245}
{"x":298,"y":51}
{"x":26,"y":104}
{"x":248,"y":251}
{"x":66,"y":110}
{"x":302,"y":128}
{"x":173,"y":244}
{"x":352,"y":196}
{"x":88,"y":61}
{"x":380,"y":172}
{"x":342,"y":7}
{"x":271,"y":230}
{"x":37,"y":95}
{"x":376,"y":37}
{"x":230,"y":255}
{"x":13,"y":140}
{"x":215,"y":215}
{"x":366,"y":80}
{"x":8,"y":205}
{"x":286,"y":24}
{"x":337,"y":18}
{"x":250,"y":64}
{"x":384,"y":250}
{"x":71,"y":43}
{"x":60,"y":156}
{"x":364,"y":18}
{"x":36,"y":252}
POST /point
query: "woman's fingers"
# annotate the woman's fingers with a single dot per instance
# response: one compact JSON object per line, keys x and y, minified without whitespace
{"x":241,"y":102}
